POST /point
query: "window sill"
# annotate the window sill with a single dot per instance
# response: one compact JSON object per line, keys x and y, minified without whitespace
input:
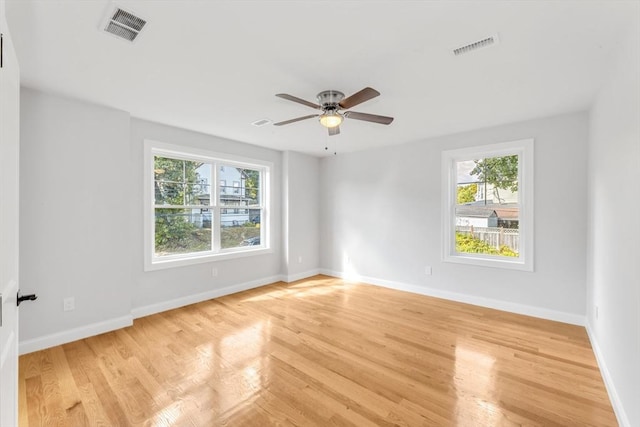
{"x":484,"y":261}
{"x":161,"y":264}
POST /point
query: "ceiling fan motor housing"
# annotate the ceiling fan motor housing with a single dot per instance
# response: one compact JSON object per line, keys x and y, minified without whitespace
{"x":329,"y":99}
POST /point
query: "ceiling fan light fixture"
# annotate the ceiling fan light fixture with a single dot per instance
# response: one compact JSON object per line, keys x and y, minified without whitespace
{"x":331,"y":119}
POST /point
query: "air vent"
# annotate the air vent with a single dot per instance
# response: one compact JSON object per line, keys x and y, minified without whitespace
{"x":486,"y":42}
{"x":261,"y":122}
{"x":123,"y":24}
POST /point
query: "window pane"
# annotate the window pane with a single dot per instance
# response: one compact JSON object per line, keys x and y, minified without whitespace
{"x":197,"y":194}
{"x":239,"y":186}
{"x":234,"y":233}
{"x":487,"y":209}
{"x":233,"y":217}
{"x":181,"y":182}
{"x":179,"y":231}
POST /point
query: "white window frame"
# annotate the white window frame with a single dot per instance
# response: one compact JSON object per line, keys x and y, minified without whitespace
{"x":155,"y":148}
{"x":524,"y":150}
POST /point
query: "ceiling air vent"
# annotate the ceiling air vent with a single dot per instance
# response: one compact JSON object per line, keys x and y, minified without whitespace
{"x":261,"y":122}
{"x":123,"y":24}
{"x":486,"y":42}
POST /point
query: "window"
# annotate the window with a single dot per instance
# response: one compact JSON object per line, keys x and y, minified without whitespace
{"x":488,"y":205}
{"x":188,"y":220}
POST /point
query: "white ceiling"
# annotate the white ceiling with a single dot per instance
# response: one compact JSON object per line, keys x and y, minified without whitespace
{"x":215,"y":66}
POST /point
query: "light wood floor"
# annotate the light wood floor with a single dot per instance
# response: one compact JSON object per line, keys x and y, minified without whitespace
{"x":320,"y":352}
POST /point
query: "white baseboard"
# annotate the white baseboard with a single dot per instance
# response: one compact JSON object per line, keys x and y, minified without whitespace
{"x":148,"y":310}
{"x":543,"y":313}
{"x":621,"y":415}
{"x":299,"y":276}
{"x":52,"y":340}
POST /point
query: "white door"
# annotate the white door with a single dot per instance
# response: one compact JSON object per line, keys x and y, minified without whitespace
{"x":9,"y":161}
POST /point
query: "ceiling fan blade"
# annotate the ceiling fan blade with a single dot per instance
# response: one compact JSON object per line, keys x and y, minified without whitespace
{"x":286,"y":122}
{"x":383,"y":120}
{"x":334,"y":130}
{"x":358,"y":98}
{"x":298,"y":100}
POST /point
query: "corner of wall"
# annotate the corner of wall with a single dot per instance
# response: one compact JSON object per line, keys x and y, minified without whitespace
{"x":618,"y":408}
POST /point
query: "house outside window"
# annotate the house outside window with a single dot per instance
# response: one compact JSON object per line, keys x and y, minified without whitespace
{"x":488,"y":205}
{"x":188,"y":220}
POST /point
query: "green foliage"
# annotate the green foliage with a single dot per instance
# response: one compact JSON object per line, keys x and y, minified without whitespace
{"x":170,"y":226}
{"x":507,"y":251}
{"x":467,"y":193}
{"x":501,"y":172}
{"x":252,"y":183}
{"x":466,"y":243}
{"x":175,"y":234}
{"x":177,"y":182}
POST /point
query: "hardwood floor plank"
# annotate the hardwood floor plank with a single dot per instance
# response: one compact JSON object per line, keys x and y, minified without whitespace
{"x":320,"y":352}
{"x":85,"y":368}
{"x":36,"y":411}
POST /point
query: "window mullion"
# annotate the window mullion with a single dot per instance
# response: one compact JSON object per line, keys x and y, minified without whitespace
{"x":215,"y":202}
{"x":451,"y":207}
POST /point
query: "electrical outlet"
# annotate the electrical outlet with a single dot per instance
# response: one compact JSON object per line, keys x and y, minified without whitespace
{"x":597,"y":312}
{"x":214,"y":272}
{"x":299,"y":259}
{"x":427,"y":270}
{"x":69,"y":304}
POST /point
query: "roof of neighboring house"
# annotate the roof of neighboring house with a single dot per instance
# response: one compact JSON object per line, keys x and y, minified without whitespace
{"x":475,"y":211}
{"x":508,"y":213}
{"x":504,"y":211}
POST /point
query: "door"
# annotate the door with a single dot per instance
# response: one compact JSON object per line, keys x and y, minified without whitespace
{"x":9,"y":161}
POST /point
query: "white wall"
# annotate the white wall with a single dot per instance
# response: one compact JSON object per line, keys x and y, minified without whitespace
{"x":158,"y":290}
{"x":614,"y":230}
{"x":301,"y":220}
{"x":381,"y":209}
{"x":75,"y":190}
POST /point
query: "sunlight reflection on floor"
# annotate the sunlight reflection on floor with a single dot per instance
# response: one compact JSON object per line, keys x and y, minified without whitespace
{"x":169,"y":416}
{"x":474,"y":384}
{"x":302,"y":291}
{"x":243,"y":350}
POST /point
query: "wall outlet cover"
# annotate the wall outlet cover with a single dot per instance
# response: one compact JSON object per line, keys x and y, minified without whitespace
{"x":69,"y":304}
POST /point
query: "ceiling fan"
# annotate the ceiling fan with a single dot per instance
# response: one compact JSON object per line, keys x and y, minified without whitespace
{"x":330,"y":102}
